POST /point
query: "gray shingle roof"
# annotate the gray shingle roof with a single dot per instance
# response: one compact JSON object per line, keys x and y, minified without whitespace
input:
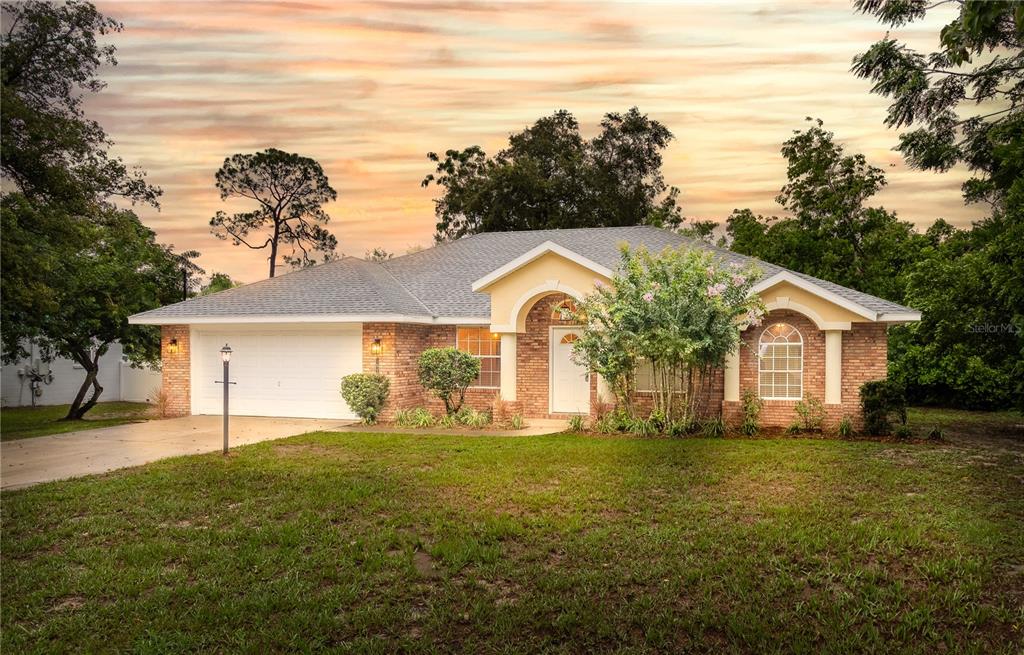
{"x":437,"y":282}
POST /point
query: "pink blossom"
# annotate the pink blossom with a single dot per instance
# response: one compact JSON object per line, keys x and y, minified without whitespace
{"x":648,"y":297}
{"x":734,"y":265}
{"x":738,"y":280}
{"x":598,"y":284}
{"x":716,"y":289}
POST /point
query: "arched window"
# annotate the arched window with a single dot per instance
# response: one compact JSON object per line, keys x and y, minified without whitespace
{"x":780,"y":355}
{"x":563,"y":311}
{"x":570,"y":338}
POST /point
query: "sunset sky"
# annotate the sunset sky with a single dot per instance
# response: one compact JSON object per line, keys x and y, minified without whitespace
{"x":367,"y":89}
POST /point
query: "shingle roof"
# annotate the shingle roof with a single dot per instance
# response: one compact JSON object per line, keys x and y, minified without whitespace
{"x":437,"y":282}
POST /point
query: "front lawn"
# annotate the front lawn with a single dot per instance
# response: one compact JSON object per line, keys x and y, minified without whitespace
{"x":382,"y":543}
{"x":24,"y":422}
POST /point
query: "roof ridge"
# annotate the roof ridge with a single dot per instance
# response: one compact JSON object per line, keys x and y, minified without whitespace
{"x":406,"y":289}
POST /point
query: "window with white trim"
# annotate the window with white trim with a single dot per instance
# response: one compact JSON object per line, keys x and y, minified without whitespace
{"x":643,"y":376}
{"x":485,"y":346}
{"x":780,"y":356}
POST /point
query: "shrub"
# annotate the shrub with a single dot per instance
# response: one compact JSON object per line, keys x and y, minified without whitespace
{"x":517,"y":422}
{"x":752,"y":405}
{"x":845,"y":429}
{"x":617,"y":420}
{"x":713,"y":428}
{"x":576,"y":423}
{"x":812,"y":414}
{"x":682,"y":427}
{"x":447,"y":421}
{"x":422,"y":418}
{"x":500,"y":410}
{"x":447,"y":372}
{"x":880,"y":402}
{"x":935,"y":434}
{"x":903,"y":432}
{"x":643,"y":427}
{"x":403,"y":418}
{"x":161,"y":401}
{"x":794,"y":428}
{"x":476,"y":419}
{"x":365,"y":394}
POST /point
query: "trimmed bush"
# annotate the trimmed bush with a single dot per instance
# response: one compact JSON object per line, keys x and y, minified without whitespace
{"x":880,"y":402}
{"x":366,"y":394}
{"x":447,"y":372}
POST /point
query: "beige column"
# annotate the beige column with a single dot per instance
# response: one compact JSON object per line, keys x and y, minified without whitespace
{"x":508,"y":366}
{"x":732,"y":376}
{"x":833,"y":367}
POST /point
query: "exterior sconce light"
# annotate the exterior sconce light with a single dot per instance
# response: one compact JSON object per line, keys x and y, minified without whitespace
{"x":376,"y":348}
{"x":172,"y":347}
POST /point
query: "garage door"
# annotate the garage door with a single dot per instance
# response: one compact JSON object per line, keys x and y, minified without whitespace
{"x":278,"y":372}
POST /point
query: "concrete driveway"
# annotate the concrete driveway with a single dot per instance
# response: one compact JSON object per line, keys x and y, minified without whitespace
{"x":25,"y":462}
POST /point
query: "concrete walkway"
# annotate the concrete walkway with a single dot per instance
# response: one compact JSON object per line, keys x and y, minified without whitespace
{"x":25,"y":462}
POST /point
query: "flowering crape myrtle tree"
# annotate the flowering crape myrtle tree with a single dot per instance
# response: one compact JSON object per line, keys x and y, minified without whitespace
{"x":680,"y":310}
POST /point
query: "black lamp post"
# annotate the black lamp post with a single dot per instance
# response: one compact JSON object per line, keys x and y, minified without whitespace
{"x":225,"y":356}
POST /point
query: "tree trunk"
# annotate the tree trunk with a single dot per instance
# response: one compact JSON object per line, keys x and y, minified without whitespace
{"x":91,"y":365}
{"x":273,"y":246}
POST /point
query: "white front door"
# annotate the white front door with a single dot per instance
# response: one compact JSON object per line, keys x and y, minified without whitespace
{"x":570,"y":382}
{"x":277,"y":370}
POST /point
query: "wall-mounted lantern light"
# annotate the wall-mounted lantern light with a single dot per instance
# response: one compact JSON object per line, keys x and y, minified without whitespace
{"x":172,"y":347}
{"x":376,"y":348}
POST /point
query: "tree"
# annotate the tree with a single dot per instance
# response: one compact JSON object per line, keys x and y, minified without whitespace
{"x":964,"y":100}
{"x":218,"y":282}
{"x":550,"y":177}
{"x":191,"y":273}
{"x":448,"y":372}
{"x":289,"y":191}
{"x":830,"y":232}
{"x":50,"y":150}
{"x":681,"y":310}
{"x":964,"y":103}
{"x":378,"y":255}
{"x":98,"y":274}
{"x":73,"y":265}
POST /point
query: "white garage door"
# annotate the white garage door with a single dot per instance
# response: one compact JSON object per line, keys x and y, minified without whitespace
{"x":288,"y":371}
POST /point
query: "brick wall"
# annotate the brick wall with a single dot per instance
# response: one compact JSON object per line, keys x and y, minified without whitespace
{"x":864,"y":358}
{"x":533,"y":355}
{"x":402,"y":344}
{"x":177,"y":370}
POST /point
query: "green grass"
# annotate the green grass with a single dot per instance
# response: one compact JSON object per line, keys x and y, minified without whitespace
{"x":25,"y":422}
{"x":382,"y":543}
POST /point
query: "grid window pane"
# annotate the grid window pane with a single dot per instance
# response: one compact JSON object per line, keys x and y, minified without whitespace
{"x":780,"y":361}
{"x":485,"y":346}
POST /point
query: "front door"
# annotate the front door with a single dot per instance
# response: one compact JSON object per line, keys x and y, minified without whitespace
{"x":570,"y":382}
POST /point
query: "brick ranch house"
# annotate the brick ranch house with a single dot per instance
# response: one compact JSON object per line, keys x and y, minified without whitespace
{"x":500,"y":297}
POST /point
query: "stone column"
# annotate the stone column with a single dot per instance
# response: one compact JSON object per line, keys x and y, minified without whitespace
{"x":508,"y":366}
{"x":833,"y":367}
{"x":732,"y":376}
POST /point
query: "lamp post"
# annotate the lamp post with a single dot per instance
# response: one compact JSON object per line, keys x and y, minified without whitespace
{"x":225,"y":356}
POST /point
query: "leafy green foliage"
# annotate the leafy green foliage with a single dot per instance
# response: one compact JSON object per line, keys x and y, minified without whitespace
{"x":516,"y":422}
{"x":576,"y":423}
{"x":289,"y":191}
{"x":963,"y":100}
{"x":418,"y":417}
{"x":474,"y":418}
{"x":751,"y":404}
{"x":881,"y":401}
{"x":935,"y":434}
{"x":903,"y":432}
{"x":219,"y":282}
{"x":681,"y":310}
{"x":366,"y":394}
{"x":830,"y":231}
{"x":713,"y":428}
{"x":550,"y":177}
{"x":811,"y":413}
{"x":50,"y":150}
{"x":845,"y":427}
{"x":447,"y":372}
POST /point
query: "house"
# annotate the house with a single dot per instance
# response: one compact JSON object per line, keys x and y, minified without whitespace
{"x":501,"y":297}
{"x":58,"y":381}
